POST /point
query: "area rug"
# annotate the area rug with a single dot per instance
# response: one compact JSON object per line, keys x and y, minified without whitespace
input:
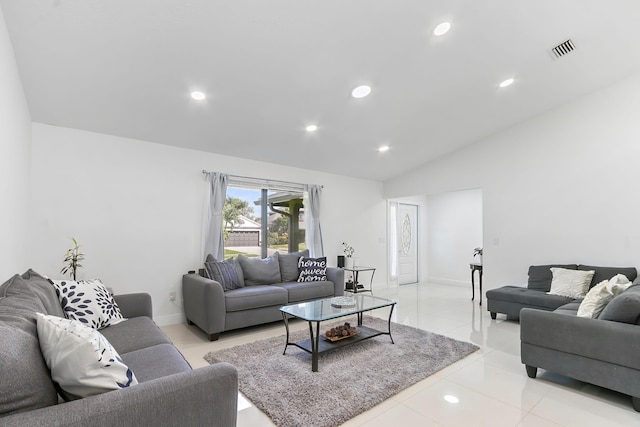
{"x":350,"y":380}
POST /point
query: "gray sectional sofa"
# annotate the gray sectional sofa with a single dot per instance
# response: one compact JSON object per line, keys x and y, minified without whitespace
{"x":602,"y":351}
{"x":257,"y":300}
{"x":169,"y":392}
{"x":510,"y":300}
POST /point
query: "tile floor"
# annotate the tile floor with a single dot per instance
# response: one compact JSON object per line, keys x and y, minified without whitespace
{"x":491,"y":385}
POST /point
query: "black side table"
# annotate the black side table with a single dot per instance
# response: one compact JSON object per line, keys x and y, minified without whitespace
{"x":357,"y":287}
{"x":476,"y":267}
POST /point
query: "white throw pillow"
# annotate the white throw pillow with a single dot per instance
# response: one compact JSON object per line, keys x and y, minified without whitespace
{"x":88,"y":301}
{"x":82,"y":362}
{"x":570,"y":283}
{"x":601,"y":294}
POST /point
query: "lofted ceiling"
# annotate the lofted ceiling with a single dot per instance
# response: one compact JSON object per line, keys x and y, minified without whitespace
{"x":270,"y":68}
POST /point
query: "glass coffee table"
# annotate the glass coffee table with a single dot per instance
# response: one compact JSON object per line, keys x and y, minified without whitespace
{"x":332,"y":308}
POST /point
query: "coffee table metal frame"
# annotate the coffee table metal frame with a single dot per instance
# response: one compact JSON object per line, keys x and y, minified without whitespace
{"x":321,"y":310}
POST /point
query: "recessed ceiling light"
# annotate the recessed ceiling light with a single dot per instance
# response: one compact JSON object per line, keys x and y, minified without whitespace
{"x":442,"y":29}
{"x":311,"y":128}
{"x":361,"y":91}
{"x":451,"y":399}
{"x":197,"y":95}
{"x":383,"y":148}
{"x":506,"y":83}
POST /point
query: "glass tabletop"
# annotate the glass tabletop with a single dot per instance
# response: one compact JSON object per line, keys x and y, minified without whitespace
{"x":320,"y":310}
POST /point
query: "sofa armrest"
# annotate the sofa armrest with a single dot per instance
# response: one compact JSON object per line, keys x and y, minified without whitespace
{"x":204,"y":303}
{"x":203,"y":396}
{"x":607,"y":341}
{"x":336,"y":275}
{"x":135,"y":305}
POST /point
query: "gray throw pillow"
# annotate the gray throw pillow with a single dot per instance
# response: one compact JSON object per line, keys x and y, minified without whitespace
{"x":210,"y":258}
{"x":224,"y":273}
{"x":260,"y":271}
{"x":540,"y":275}
{"x":289,"y":265}
{"x":624,"y":308}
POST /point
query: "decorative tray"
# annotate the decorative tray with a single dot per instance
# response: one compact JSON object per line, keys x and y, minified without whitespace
{"x":334,"y":339}
{"x":343,"y":302}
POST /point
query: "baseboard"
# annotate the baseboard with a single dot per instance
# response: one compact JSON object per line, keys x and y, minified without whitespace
{"x":444,"y":281}
{"x":173,"y":319}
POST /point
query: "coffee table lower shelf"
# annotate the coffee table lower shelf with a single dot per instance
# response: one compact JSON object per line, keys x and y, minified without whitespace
{"x":326,"y":345}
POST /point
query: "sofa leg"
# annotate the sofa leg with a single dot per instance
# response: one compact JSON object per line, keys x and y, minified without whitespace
{"x":635,"y":401}
{"x":214,"y":337}
{"x":494,"y":315}
{"x":531,"y":371}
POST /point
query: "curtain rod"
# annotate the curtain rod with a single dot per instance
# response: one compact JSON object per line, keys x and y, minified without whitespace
{"x":275,"y":181}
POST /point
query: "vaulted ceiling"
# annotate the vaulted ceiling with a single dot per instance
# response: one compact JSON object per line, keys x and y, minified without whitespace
{"x":271,"y":68}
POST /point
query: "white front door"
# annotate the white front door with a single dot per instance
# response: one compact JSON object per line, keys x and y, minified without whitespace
{"x":407,"y":235}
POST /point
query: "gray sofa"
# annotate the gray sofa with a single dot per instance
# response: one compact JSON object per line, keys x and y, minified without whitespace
{"x":510,"y":300}
{"x":602,"y":351}
{"x":214,"y":310}
{"x":169,"y":392}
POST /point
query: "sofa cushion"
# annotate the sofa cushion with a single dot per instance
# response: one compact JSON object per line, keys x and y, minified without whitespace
{"x":26,"y":381}
{"x":528,"y":297}
{"x":224,"y":273}
{"x":624,"y":308}
{"x":304,"y":291}
{"x":82,"y":362}
{"x":570,"y":283}
{"x":260,"y":271}
{"x":88,"y":301}
{"x":134,"y":334}
{"x":255,"y":297}
{"x":606,"y":273}
{"x":155,"y":362}
{"x":540,"y":275}
{"x":289,"y":265}
{"x":312,"y":269}
{"x":45,"y":291}
{"x":239,"y":274}
{"x":570,"y":308}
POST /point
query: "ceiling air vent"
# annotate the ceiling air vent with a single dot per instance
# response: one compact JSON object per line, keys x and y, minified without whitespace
{"x":563,"y":48}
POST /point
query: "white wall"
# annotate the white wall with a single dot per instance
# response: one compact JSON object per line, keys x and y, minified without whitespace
{"x":15,"y":145}
{"x":562,"y":187}
{"x":454,"y":229}
{"x":136,"y":209}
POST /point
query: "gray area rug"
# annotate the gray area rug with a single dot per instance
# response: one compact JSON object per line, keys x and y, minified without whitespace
{"x":350,"y":380}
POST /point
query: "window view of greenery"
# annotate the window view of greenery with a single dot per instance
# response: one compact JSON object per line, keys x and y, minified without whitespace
{"x":243,"y":218}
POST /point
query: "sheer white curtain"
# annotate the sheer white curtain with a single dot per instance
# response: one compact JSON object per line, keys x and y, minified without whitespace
{"x":313,"y":235}
{"x":215,"y":195}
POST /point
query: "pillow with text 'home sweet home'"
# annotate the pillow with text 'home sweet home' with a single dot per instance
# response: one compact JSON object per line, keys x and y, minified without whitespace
{"x":312,"y":269}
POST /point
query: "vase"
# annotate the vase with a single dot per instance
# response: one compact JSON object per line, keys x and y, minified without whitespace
{"x":348,"y":262}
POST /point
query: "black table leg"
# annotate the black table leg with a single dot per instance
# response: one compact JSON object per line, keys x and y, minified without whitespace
{"x":286,"y":326}
{"x":389,"y":323}
{"x":473,"y":286}
{"x":315,"y":342}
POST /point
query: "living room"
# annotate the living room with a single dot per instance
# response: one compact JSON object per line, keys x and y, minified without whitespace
{"x":557,"y":187}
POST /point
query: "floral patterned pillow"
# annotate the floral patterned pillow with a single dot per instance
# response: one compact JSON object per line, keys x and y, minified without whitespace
{"x":87,"y":301}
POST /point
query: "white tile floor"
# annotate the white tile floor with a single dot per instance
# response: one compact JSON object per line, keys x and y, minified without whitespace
{"x":491,"y":385}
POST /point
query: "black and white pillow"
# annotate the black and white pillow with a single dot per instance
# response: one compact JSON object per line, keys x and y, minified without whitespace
{"x":88,"y":301}
{"x":312,"y":269}
{"x":82,"y":362}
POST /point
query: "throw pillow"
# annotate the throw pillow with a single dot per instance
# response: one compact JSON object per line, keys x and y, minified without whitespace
{"x":88,"y":301}
{"x":82,"y":362}
{"x":224,"y":273}
{"x":570,"y":283}
{"x":260,"y":271}
{"x":599,"y":296}
{"x":624,"y":308}
{"x":312,"y":269}
{"x":239,"y":274}
{"x":289,"y":265}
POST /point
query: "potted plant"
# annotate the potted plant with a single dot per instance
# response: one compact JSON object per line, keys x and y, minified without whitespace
{"x":348,"y":253}
{"x":478,"y":251}
{"x":72,"y":260}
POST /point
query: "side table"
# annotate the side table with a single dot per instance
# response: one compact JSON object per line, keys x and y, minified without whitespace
{"x":476,"y":267}
{"x":357,"y":286}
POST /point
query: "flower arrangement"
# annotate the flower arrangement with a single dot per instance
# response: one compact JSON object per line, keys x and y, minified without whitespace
{"x":72,"y":258}
{"x":348,"y":250}
{"x":477,"y":251}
